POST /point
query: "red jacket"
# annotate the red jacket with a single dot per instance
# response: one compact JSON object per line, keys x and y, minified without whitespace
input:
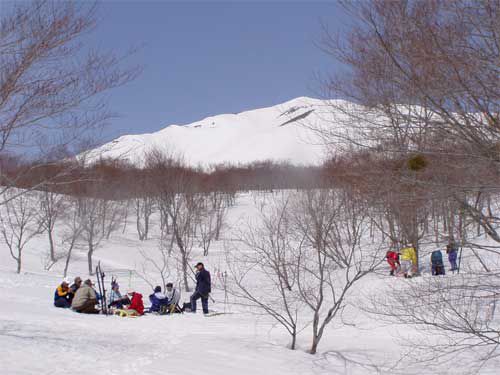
{"x":137,"y":304}
{"x":392,"y":257}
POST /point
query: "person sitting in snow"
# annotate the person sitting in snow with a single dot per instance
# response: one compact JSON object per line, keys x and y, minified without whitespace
{"x":63,"y":295}
{"x":76,"y":284}
{"x":115,"y":297}
{"x":158,"y":301}
{"x":173,"y":296}
{"x":85,"y":299}
{"x":136,"y":307}
{"x":393,"y":260}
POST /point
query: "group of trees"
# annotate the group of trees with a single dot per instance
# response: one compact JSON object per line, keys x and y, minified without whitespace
{"x":300,"y":260}
{"x":418,"y":140}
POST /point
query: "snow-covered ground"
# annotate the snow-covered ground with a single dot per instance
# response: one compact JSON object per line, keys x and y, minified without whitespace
{"x":36,"y":338}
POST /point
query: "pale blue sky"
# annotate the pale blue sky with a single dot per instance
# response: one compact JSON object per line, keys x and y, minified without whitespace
{"x":205,"y":58}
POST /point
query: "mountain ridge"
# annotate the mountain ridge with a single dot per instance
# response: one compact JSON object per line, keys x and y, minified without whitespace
{"x":278,"y":133}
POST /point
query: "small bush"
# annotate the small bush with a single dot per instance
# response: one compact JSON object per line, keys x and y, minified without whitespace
{"x":417,"y":163}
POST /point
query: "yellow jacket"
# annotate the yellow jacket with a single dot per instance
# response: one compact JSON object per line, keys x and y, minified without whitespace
{"x":61,"y":292}
{"x":409,"y":253}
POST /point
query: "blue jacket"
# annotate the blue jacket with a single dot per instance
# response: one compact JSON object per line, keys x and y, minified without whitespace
{"x":157,"y":300}
{"x":203,"y":282}
{"x":452,"y":255}
{"x":437,"y":257}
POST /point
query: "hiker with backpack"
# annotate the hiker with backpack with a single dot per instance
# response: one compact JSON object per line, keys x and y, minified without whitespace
{"x":393,"y":260}
{"x":452,"y":251}
{"x":159,"y":301}
{"x":203,"y":288}
{"x":437,"y":265}
{"x":63,"y":295}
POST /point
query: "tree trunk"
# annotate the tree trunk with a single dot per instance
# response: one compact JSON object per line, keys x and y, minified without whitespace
{"x":185,"y":272}
{"x":19,"y":262}
{"x":89,"y":258}
{"x":51,"y":244}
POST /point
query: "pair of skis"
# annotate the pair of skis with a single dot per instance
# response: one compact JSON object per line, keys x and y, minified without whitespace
{"x":102,"y":289}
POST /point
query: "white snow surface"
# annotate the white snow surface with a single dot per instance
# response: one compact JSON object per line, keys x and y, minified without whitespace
{"x":279,"y":133}
{"x":37,"y":338}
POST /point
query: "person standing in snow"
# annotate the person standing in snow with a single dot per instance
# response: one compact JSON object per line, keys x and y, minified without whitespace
{"x":437,"y":265}
{"x":158,"y":300}
{"x":173,"y":296}
{"x":452,"y":252}
{"x":85,"y":299}
{"x":393,"y":260}
{"x":408,"y":261}
{"x":203,"y":288}
{"x":63,"y":296}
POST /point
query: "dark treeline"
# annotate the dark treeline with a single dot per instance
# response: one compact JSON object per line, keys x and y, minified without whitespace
{"x":117,"y":180}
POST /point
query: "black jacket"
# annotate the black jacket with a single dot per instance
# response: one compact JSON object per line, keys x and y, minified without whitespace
{"x":203,"y":283}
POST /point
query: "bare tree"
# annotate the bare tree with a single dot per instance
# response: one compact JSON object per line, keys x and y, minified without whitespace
{"x":51,"y":208}
{"x":73,"y":227}
{"x":179,"y":200}
{"x":50,"y":81}
{"x":155,"y":267}
{"x":20,"y":223}
{"x":455,"y":316}
{"x":263,"y":267}
{"x":211,"y":219}
{"x":93,"y":233}
{"x":143,"y":207}
{"x":331,"y":226}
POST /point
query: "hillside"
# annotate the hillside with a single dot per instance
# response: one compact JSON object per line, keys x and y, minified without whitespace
{"x":274,"y":133}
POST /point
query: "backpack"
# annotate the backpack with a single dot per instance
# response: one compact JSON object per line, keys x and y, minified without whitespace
{"x":436,"y":257}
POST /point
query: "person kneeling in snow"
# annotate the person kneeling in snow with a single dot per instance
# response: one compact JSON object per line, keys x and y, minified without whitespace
{"x":136,"y":307}
{"x":85,"y":299}
{"x":158,"y":301}
{"x":63,"y":295}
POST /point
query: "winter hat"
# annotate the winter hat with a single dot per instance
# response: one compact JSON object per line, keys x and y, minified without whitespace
{"x":78,"y":279}
{"x":88,"y":282}
{"x":199,"y":264}
{"x":65,"y":282}
{"x":170,"y":285}
{"x":158,"y":289}
{"x":130,"y":291}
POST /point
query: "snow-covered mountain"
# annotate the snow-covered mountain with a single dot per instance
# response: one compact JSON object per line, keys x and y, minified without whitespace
{"x":278,"y":133}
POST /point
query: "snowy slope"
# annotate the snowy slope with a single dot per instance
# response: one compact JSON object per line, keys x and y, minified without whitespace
{"x":36,"y":338}
{"x":274,"y":133}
